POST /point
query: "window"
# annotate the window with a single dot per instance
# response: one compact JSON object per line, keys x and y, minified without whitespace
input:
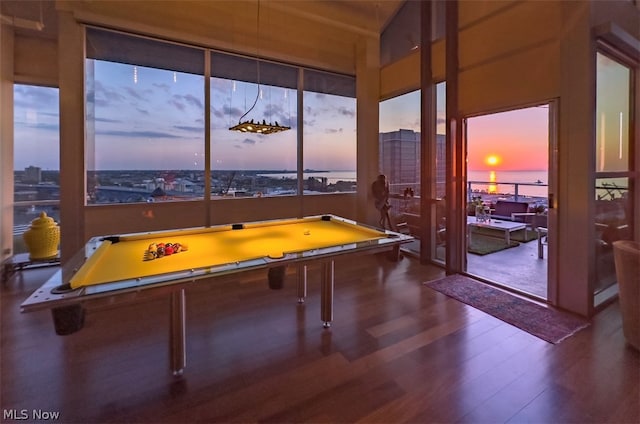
{"x":36,"y":161}
{"x":145,"y":120}
{"x":248,"y":164}
{"x":400,"y":142}
{"x":614,"y":166}
{"x":330,"y":142}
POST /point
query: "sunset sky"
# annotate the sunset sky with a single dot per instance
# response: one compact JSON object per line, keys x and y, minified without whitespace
{"x":515,"y":140}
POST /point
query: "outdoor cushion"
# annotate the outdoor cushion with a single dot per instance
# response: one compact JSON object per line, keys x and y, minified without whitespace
{"x":504,"y":209}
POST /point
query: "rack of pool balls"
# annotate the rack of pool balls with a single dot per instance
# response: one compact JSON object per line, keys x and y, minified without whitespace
{"x":158,"y":250}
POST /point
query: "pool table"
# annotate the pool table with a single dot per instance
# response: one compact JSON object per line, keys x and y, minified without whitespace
{"x":128,"y":266}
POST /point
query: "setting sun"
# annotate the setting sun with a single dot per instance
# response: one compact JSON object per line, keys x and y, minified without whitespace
{"x":492,"y":160}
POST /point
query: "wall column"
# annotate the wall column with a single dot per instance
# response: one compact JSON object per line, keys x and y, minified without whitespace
{"x":368,"y":117}
{"x":6,"y":142}
{"x":576,"y":163}
{"x":72,"y":128}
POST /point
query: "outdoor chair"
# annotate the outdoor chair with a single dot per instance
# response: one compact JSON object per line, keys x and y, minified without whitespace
{"x":509,"y":210}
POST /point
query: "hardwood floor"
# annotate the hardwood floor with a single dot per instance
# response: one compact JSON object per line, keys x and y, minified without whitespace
{"x":397,"y":352}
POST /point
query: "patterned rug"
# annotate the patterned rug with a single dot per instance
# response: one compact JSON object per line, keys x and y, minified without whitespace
{"x":550,"y":325}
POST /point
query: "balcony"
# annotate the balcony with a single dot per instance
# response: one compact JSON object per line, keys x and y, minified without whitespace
{"x":521,"y":267}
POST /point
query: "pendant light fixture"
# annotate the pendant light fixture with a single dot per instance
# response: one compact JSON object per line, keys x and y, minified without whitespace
{"x":251,"y":126}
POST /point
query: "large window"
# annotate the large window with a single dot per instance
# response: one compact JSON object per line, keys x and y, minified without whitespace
{"x":250,"y":164}
{"x":330,"y":152}
{"x":146,"y":114}
{"x":614,"y":166}
{"x":399,"y":159}
{"x":399,"y":142}
{"x":36,"y":160}
{"x":145,"y":120}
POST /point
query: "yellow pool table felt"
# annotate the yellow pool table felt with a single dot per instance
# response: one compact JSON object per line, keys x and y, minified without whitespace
{"x":208,"y":247}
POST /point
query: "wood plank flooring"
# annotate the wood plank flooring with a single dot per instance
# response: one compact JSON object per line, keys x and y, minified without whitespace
{"x":397,"y":352}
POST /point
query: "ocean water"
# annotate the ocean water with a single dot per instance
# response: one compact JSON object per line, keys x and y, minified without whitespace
{"x":331,"y":176}
{"x":529,"y":183}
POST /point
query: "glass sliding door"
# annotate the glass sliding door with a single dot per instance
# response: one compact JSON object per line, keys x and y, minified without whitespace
{"x":399,"y":160}
{"x":508,"y":186}
{"x":614,"y":169}
{"x":440,"y":163}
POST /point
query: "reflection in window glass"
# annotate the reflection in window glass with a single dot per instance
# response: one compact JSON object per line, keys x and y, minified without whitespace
{"x":399,"y":142}
{"x":613,"y":221}
{"x":612,"y":115}
{"x":248,"y":164}
{"x":329,"y":143}
{"x":36,"y":157}
{"x":613,"y":218}
{"x":145,"y":133}
{"x":441,"y":173}
{"x":399,"y":156}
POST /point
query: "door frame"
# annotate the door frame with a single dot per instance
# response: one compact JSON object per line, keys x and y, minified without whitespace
{"x":552,"y":192}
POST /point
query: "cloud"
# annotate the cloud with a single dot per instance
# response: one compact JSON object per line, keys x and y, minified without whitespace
{"x":190,"y":129}
{"x":138,"y":134}
{"x":164,"y":87}
{"x":104,"y":94}
{"x":143,"y":111}
{"x":194,"y":101}
{"x":35,"y":97}
{"x":248,"y":141}
{"x":333,"y":130}
{"x":137,"y":94}
{"x":39,"y":126}
{"x":179,"y":105}
{"x":225,"y":111}
{"x":106,"y":120}
{"x":181,"y":102}
{"x":346,"y":112}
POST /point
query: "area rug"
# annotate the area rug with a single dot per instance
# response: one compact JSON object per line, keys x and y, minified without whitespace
{"x":483,"y":244}
{"x":550,"y":325}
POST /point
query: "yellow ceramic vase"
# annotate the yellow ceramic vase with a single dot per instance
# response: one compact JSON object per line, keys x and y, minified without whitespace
{"x":42,"y":238}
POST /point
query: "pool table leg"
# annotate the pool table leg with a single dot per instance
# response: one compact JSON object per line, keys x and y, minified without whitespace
{"x":302,"y":283}
{"x":177,"y":334}
{"x":326,"y":296}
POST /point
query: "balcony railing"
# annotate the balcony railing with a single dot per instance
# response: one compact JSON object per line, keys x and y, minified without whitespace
{"x":532,"y":192}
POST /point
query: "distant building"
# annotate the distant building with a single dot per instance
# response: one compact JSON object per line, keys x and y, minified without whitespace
{"x":400,"y":159}
{"x":32,"y":175}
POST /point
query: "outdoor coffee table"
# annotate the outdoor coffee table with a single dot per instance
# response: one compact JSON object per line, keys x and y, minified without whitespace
{"x":496,"y":224}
